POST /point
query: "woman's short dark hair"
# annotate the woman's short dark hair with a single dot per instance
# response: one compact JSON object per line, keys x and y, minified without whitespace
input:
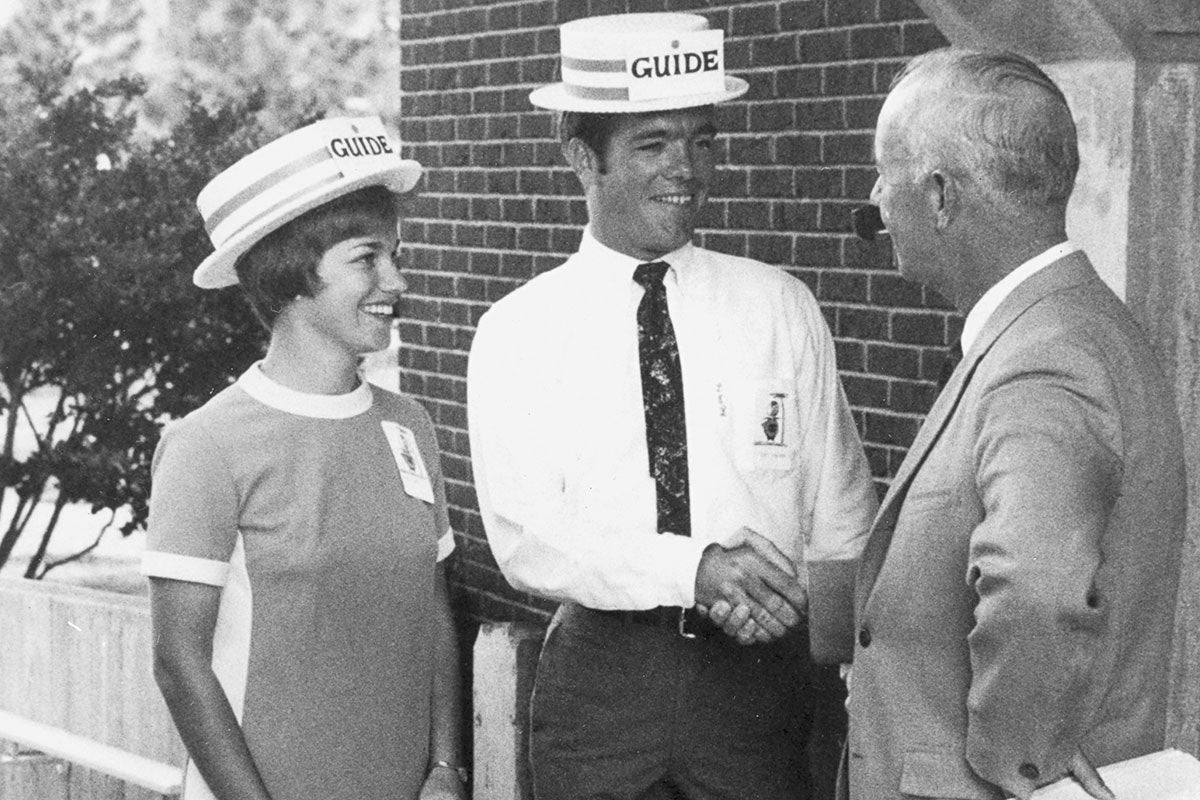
{"x":283,"y":264}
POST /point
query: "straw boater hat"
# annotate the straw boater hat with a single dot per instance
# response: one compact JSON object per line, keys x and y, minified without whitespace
{"x":289,"y":176}
{"x":628,"y":63}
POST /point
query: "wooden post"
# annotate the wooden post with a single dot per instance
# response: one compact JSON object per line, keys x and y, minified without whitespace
{"x":506,"y":657}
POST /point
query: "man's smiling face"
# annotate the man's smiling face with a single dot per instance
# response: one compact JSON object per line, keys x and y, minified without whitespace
{"x":658,"y":169}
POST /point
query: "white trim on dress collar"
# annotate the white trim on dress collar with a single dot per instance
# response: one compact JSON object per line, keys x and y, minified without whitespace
{"x":321,"y":406}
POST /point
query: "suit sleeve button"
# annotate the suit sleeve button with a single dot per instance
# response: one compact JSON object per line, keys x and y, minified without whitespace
{"x":1029,"y":772}
{"x":864,"y":637}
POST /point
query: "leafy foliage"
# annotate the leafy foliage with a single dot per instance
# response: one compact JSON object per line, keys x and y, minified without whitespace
{"x":98,"y":234}
{"x":73,"y":43}
{"x":303,"y":58}
{"x":98,"y":239}
{"x":308,"y":57}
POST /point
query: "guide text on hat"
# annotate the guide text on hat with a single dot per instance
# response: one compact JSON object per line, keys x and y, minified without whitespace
{"x":676,"y":64}
{"x":359,"y":146}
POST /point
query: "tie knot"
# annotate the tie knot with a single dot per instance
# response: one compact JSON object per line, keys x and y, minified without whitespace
{"x":648,"y":274}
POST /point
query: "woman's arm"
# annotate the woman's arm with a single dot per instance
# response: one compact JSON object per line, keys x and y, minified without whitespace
{"x":184,"y":616}
{"x":445,"y":740}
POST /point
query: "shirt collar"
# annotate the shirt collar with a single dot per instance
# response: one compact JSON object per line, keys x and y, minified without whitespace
{"x":604,"y":260}
{"x":322,"y":406}
{"x":993,"y":297}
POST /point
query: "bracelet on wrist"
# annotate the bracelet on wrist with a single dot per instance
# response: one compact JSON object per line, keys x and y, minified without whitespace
{"x":459,"y":771}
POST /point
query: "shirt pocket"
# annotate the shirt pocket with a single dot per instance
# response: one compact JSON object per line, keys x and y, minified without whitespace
{"x":765,"y":423}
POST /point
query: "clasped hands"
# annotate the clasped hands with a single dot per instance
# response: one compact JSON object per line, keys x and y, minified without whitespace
{"x":749,"y":588}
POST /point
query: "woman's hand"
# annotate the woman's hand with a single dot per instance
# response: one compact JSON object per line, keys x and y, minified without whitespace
{"x":443,"y":783}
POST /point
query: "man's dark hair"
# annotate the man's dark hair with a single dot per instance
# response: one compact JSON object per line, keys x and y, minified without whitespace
{"x":283,"y":264}
{"x":594,"y":130}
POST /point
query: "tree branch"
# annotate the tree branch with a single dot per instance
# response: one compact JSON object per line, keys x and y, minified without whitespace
{"x":41,"y":444}
{"x":76,"y":556}
{"x":10,"y":424}
{"x":59,"y":503}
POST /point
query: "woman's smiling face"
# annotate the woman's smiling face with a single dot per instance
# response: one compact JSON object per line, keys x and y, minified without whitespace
{"x":360,"y":284}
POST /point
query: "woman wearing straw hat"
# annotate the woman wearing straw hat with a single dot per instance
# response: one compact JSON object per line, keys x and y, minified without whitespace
{"x":303,"y":637}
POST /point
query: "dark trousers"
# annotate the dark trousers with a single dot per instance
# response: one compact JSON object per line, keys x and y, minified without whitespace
{"x":627,"y":711}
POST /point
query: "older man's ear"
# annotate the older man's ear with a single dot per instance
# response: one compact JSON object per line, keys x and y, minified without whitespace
{"x":945,"y":198}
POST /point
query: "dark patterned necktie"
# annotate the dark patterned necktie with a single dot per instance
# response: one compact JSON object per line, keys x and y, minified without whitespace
{"x":662,"y":401}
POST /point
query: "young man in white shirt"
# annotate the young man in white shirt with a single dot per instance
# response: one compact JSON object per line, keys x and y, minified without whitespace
{"x":659,"y":434}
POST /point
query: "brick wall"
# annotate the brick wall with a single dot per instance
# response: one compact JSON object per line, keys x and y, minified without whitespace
{"x":499,"y":205}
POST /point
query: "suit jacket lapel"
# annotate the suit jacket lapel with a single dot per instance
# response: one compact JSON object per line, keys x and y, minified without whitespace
{"x":889,"y":510}
{"x":1068,"y":271}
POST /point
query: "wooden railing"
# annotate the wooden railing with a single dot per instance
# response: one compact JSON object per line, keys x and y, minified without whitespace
{"x":79,"y":711}
{"x":86,"y":721}
{"x":82,"y":719}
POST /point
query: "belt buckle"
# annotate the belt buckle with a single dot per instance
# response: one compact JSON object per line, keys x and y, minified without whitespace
{"x":683,"y":631}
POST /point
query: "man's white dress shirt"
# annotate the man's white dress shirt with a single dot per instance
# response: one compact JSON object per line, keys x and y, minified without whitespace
{"x":558,"y":438}
{"x":985,"y":306}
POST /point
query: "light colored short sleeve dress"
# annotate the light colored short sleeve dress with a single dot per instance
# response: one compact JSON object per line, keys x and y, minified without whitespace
{"x":311,"y":513}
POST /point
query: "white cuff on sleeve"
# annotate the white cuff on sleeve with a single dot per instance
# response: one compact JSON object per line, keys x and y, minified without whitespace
{"x":157,"y":564}
{"x":688,"y":564}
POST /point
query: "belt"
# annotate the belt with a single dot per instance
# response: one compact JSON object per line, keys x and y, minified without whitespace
{"x":687,"y":622}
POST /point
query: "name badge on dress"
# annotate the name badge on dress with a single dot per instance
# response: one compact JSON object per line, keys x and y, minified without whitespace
{"x":413,"y":474}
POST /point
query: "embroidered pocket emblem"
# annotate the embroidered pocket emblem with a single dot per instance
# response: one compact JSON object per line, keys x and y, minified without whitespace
{"x":773,"y":422}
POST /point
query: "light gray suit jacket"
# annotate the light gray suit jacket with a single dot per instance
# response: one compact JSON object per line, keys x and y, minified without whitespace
{"x":1017,"y":593}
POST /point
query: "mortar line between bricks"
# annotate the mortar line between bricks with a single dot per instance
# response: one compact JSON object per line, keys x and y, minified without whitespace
{"x":730,"y":39}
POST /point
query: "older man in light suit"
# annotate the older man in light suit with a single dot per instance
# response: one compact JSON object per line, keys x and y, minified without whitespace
{"x":1015,"y":601}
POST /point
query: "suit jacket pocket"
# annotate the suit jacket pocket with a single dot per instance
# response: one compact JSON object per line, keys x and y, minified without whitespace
{"x":943,"y":773}
{"x":923,"y":496}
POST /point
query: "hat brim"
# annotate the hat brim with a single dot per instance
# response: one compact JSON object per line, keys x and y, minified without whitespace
{"x":556,"y":97}
{"x":217,"y":270}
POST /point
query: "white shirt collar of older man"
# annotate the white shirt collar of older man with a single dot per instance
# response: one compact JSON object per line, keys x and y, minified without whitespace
{"x":982,"y":311}
{"x":620,"y":267}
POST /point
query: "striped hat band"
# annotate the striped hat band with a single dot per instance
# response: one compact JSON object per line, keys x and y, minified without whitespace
{"x":267,"y":190}
{"x":292,"y":175}
{"x":611,"y":80}
{"x":628,"y":62}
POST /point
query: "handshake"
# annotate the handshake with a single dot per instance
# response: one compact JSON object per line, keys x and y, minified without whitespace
{"x":749,"y":589}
